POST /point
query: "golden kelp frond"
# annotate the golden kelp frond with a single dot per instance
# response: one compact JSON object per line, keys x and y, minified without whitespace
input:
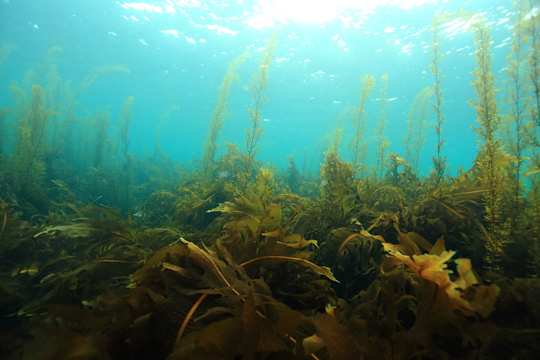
{"x":434,"y":268}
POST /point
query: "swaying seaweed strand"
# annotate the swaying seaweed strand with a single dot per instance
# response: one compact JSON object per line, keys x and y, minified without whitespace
{"x":439,"y":160}
{"x":258,"y":87}
{"x":516,"y":120}
{"x":218,"y":117}
{"x":358,"y":144}
{"x":489,"y":157}
{"x":100,"y":134}
{"x":380,"y":131}
{"x":28,"y":165}
{"x":532,"y":34}
{"x":415,"y":138}
{"x":125,"y":180}
{"x":255,"y":262}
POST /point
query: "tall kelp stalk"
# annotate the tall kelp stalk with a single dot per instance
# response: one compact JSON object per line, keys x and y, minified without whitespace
{"x":415,"y":138}
{"x":439,"y":160}
{"x":100,"y":126}
{"x":47,"y":77}
{"x":218,"y":117}
{"x":380,"y":131}
{"x":516,"y":120}
{"x":28,"y":167}
{"x":5,"y":50}
{"x":258,"y":87}
{"x":533,"y":31}
{"x":125,"y":183}
{"x":531,"y":27}
{"x":358,"y":117}
{"x":4,"y":113}
{"x":489,"y":156}
{"x":70,"y":138}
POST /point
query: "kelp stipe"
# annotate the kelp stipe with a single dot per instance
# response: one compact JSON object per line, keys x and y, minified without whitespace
{"x":415,"y":138}
{"x":258,"y":86}
{"x":532,"y":175}
{"x":4,"y":113}
{"x":439,"y":160}
{"x":218,"y":117}
{"x":5,"y":50}
{"x":100,"y":125}
{"x":380,"y":131}
{"x":490,"y":156}
{"x":28,"y":166}
{"x":358,"y":144}
{"x":125,"y":161}
{"x":532,"y":28}
{"x":516,"y":118}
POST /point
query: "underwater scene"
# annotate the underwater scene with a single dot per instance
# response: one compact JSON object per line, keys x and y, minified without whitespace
{"x":270,"y":179}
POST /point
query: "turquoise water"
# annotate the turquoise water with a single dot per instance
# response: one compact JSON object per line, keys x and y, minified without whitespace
{"x":178,"y":53}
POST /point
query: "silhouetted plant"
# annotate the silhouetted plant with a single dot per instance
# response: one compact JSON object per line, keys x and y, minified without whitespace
{"x":489,"y":157}
{"x":4,"y":113}
{"x":437,"y":36}
{"x":125,"y":181}
{"x":28,"y":167}
{"x":415,"y":138}
{"x":380,"y":131}
{"x":358,"y":144}
{"x":220,"y":113}
{"x":258,"y":87}
{"x":337,"y":189}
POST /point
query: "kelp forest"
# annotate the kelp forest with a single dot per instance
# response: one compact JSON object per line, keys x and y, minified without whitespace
{"x":105,"y":254}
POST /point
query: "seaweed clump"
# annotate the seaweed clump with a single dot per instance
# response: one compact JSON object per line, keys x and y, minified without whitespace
{"x":133,"y":257}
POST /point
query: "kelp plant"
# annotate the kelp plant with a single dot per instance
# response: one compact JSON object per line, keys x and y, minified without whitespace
{"x":380,"y":131}
{"x":532,"y":34}
{"x":337,"y":189}
{"x":258,"y":87}
{"x":218,"y":117}
{"x":439,"y":160}
{"x":125,"y":180}
{"x":358,"y":117}
{"x":28,"y":167}
{"x":415,"y":138}
{"x":489,"y":157}
{"x":516,"y":118}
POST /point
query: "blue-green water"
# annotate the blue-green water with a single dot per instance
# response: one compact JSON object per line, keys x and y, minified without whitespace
{"x":178,"y":52}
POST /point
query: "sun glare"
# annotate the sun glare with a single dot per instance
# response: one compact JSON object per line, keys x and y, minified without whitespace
{"x":322,"y":11}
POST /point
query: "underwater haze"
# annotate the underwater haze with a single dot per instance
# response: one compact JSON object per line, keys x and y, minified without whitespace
{"x":177,"y":53}
{"x":269,"y":179}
